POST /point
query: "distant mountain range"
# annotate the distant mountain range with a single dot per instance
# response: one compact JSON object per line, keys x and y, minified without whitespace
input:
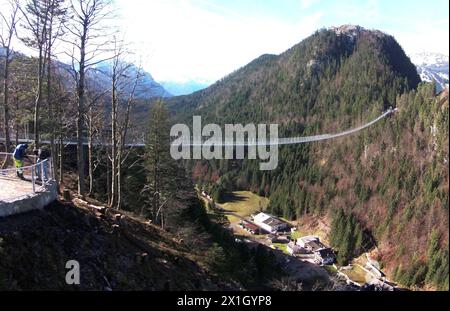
{"x":183,"y":88}
{"x":147,"y":87}
{"x":432,"y":66}
{"x":98,"y":76}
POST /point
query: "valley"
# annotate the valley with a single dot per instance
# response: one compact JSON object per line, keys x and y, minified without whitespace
{"x":317,"y":160}
{"x":369,"y":179}
{"x":240,"y":206}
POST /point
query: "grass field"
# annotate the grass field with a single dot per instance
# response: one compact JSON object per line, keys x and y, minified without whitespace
{"x":244,"y":203}
{"x":282,"y":247}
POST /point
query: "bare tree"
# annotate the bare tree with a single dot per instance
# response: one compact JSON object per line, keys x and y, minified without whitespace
{"x":124,"y":81}
{"x":122,"y":155}
{"x":95,"y":125}
{"x":88,"y":40}
{"x":36,"y":15}
{"x":57,"y":17}
{"x":8,"y":30}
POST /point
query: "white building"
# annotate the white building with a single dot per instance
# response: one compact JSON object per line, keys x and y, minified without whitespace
{"x":294,"y":249}
{"x":322,"y":254}
{"x":269,"y":223}
{"x":304,"y":241}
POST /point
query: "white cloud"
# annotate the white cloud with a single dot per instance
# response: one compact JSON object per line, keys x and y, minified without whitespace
{"x":424,"y":37}
{"x":182,"y":40}
{"x":305,"y":4}
{"x":187,"y":41}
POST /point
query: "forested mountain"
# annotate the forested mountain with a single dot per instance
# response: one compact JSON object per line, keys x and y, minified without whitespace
{"x":314,"y":76}
{"x":384,"y":189}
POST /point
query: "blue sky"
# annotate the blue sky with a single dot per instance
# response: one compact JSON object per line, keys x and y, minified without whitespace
{"x":206,"y":39}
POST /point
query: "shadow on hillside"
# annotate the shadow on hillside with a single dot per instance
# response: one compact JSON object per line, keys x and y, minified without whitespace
{"x":233,"y":198}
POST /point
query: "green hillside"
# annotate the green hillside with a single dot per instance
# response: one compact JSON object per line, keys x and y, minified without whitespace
{"x":389,"y":182}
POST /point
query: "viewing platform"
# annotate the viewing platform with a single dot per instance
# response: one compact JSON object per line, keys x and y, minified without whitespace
{"x":34,"y":191}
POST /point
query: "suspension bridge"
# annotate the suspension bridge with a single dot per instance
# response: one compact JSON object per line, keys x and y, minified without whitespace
{"x":37,"y":188}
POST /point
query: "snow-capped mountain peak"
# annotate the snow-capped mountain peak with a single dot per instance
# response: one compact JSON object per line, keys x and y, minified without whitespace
{"x":427,"y":58}
{"x":432,"y":67}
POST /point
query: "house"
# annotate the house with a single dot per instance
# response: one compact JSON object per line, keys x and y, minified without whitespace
{"x":270,"y":223}
{"x":294,"y":249}
{"x":250,"y":227}
{"x":324,"y":256}
{"x":308,"y":242}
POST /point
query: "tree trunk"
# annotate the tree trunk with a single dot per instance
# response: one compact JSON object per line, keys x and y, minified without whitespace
{"x":49,"y":99}
{"x":90,"y":151}
{"x":61,"y":157}
{"x":6,"y":104}
{"x":119,"y":180}
{"x":17,"y":121}
{"x":37,"y":104}
{"x":61,"y":143}
{"x":80,"y":118}
{"x":108,"y":179}
{"x":114,"y":188}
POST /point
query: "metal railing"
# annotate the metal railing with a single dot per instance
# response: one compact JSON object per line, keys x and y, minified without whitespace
{"x":26,"y":180}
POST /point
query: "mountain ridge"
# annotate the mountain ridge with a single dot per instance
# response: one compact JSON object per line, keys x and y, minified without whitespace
{"x":98,"y":76}
{"x":390,"y":179}
{"x":290,"y":71}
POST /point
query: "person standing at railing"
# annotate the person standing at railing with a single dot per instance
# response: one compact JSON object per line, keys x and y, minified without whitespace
{"x":20,"y":153}
{"x":42,"y":155}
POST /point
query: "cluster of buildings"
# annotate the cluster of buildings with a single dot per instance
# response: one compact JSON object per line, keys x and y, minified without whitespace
{"x":265,"y":223}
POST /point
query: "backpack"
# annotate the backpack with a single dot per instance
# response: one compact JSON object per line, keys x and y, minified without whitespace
{"x":19,"y":152}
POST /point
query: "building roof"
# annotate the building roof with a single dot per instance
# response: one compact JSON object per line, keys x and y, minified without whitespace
{"x":315,"y":245}
{"x":261,"y":217}
{"x":268,"y":220}
{"x":273,"y":222}
{"x":326,"y":252}
{"x":309,"y":238}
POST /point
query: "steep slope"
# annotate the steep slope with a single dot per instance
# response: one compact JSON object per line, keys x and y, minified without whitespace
{"x":390,"y":181}
{"x":125,"y":254}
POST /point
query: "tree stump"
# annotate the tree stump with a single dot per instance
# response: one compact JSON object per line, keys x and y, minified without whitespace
{"x":66,"y":195}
